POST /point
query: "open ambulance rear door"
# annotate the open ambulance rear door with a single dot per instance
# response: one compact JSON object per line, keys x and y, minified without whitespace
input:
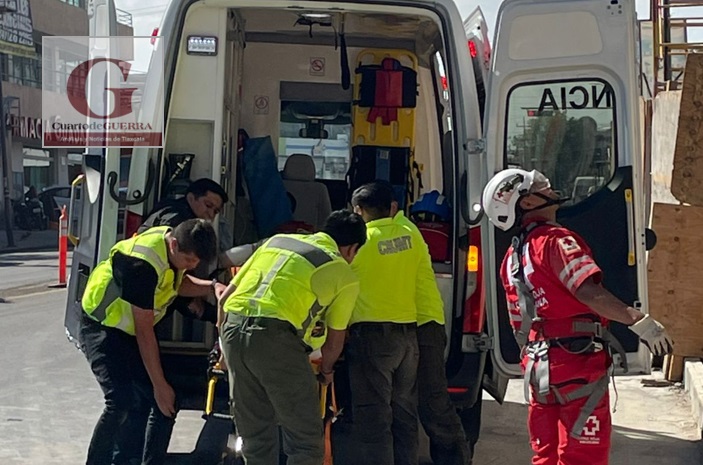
{"x":563,"y":99}
{"x":94,"y":195}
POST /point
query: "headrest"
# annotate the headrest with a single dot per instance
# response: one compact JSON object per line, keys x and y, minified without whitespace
{"x":299,"y":167}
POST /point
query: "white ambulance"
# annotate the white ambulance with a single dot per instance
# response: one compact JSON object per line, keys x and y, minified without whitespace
{"x":560,"y":95}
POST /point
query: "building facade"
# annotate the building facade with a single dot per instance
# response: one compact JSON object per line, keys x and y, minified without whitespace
{"x":29,"y":163}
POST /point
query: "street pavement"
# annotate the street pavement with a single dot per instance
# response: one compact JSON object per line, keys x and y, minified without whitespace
{"x":49,"y":402}
{"x":27,"y":272}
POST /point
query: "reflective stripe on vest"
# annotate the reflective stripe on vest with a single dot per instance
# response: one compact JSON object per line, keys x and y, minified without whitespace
{"x":314,"y":255}
{"x":110,"y":310}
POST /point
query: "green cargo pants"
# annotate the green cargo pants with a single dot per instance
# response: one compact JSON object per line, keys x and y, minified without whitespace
{"x":272,"y":383}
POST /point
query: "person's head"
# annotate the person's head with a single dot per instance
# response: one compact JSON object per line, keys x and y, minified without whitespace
{"x":374,"y":201}
{"x":348,"y":230}
{"x":190,"y":242}
{"x":514,"y":195}
{"x":206,"y":198}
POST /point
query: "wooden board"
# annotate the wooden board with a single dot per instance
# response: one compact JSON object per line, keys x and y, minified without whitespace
{"x":687,"y":177}
{"x":673,"y":368}
{"x":675,"y":275}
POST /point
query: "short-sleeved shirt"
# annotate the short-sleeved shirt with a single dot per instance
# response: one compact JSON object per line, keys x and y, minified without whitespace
{"x":137,"y":280}
{"x":333,"y":285}
{"x":395,"y":273}
{"x":556,"y":262}
{"x":170,"y":213}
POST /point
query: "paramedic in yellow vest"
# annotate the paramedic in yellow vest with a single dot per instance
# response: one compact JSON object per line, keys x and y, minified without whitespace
{"x":264,"y":314}
{"x":383,"y":347}
{"x":126,"y":295}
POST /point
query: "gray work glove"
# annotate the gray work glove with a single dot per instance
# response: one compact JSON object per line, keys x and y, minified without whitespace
{"x":653,"y":335}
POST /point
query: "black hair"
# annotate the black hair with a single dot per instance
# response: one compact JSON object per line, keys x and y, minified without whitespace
{"x":375,"y":198}
{"x":197,"y":236}
{"x":346,"y":228}
{"x":204,"y":185}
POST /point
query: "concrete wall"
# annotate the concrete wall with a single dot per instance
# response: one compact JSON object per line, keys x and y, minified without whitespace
{"x":59,"y":18}
{"x":664,"y":127}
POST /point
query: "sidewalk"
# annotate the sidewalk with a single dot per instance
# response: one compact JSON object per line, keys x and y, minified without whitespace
{"x":30,"y":241}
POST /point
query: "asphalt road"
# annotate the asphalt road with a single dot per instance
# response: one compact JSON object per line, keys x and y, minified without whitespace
{"x":25,"y":272}
{"x":49,"y":403}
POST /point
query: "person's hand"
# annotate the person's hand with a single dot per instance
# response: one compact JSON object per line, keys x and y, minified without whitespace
{"x":196,"y":307}
{"x":219,"y":290}
{"x":165,"y":399}
{"x":325,"y":378}
{"x":222,"y":363}
{"x":653,"y":335}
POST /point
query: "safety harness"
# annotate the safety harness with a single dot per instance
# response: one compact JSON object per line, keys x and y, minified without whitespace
{"x":580,"y":335}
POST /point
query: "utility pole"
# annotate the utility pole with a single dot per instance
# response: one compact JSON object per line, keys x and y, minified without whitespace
{"x":5,"y":172}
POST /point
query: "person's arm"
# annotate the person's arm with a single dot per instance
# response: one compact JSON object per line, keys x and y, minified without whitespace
{"x":149,"y":351}
{"x":605,"y":304}
{"x":138,"y":280}
{"x":428,"y":300}
{"x":196,"y":287}
{"x":237,"y":256}
{"x":337,"y":319}
{"x":331,"y":350}
{"x":221,"y":304}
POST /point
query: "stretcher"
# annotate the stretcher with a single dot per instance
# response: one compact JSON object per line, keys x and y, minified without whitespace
{"x":231,"y":452}
{"x":385,"y":97}
{"x":383,"y":122}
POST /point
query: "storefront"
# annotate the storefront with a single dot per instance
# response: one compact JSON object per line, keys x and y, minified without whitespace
{"x":32,"y":165}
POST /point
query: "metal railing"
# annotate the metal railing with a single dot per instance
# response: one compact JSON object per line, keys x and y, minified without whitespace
{"x":675,"y":23}
{"x":124,"y":18}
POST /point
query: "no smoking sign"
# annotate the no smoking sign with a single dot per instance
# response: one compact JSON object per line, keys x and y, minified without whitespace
{"x":317,"y":66}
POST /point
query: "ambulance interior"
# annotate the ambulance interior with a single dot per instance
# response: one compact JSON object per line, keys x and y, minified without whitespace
{"x":279,"y":74}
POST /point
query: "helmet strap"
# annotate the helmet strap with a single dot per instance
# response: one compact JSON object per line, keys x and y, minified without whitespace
{"x":548,"y":203}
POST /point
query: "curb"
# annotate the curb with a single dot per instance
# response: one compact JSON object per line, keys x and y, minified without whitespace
{"x":26,"y":290}
{"x":46,"y":248}
{"x":693,"y":384}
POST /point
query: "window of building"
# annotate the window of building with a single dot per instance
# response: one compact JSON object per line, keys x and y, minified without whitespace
{"x":78,"y":3}
{"x":566,"y":130}
{"x":22,"y":70}
{"x":38,"y":168}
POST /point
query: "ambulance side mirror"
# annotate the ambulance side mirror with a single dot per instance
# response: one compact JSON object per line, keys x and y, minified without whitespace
{"x":650,"y":239}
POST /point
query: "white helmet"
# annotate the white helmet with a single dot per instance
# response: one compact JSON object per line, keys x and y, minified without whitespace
{"x":501,"y":194}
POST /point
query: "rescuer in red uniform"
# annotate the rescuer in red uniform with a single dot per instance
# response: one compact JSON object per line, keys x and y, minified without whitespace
{"x":560,"y":314}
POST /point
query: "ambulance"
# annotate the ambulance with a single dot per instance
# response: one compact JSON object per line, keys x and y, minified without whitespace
{"x":405,"y":91}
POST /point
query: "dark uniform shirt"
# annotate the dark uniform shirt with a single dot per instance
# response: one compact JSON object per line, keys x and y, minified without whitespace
{"x":170,"y":213}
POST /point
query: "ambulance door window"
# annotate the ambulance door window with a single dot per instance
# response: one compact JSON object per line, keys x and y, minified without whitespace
{"x":566,"y":130}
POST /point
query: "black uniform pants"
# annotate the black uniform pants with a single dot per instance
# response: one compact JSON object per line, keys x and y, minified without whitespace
{"x":383,"y":360}
{"x":118,"y":367}
{"x":438,"y":416}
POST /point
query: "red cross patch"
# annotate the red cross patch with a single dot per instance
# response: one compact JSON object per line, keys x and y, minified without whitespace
{"x":569,"y":245}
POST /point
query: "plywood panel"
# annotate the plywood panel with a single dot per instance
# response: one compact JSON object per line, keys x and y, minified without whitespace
{"x":687,"y":177}
{"x":675,"y":274}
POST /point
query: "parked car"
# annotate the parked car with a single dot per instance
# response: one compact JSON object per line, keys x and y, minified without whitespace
{"x":53,"y":198}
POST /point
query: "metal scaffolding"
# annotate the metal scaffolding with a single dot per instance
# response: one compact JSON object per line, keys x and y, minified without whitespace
{"x":675,"y":23}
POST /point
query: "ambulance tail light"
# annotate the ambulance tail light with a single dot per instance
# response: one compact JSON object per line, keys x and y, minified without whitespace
{"x":132,"y":221}
{"x":472,"y":49}
{"x":475,"y":296}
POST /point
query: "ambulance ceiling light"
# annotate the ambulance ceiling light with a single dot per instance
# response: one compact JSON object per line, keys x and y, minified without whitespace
{"x":202,"y":45}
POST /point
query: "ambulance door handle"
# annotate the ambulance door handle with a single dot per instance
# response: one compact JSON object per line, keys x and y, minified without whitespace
{"x":78,"y":182}
{"x":629,"y":207}
{"x":139,"y":197}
